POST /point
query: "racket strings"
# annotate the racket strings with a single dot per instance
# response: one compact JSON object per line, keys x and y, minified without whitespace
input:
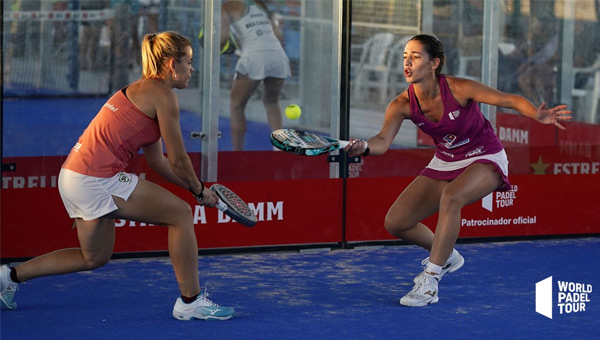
{"x":301,"y":139}
{"x":236,"y":203}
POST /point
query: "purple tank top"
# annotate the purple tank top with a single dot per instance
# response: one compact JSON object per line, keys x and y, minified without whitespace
{"x":461,"y":133}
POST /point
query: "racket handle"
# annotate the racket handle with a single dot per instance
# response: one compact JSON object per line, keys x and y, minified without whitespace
{"x":344,"y":143}
{"x":221,"y":206}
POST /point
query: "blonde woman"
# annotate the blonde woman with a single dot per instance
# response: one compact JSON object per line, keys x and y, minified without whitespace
{"x":96,"y":190}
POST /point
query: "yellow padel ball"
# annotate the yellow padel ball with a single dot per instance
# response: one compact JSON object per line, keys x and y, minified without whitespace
{"x":293,"y":111}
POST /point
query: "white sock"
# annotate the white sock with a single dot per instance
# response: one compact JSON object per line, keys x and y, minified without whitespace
{"x":433,"y":269}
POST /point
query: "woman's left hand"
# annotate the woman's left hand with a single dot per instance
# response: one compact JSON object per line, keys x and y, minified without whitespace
{"x":553,"y":115}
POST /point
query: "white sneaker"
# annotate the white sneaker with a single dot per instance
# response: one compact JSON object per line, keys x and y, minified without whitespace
{"x":7,"y":289}
{"x":423,"y":293}
{"x":202,"y":308}
{"x":454,"y":263}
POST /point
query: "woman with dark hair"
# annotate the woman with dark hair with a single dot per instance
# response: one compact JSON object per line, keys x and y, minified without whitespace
{"x":96,"y":189}
{"x":468,"y":164}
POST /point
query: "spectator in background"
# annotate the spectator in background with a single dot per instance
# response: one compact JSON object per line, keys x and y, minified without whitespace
{"x":124,"y":41}
{"x":104,"y":45}
{"x":149,"y":12}
{"x":61,"y":28}
{"x":445,"y":27}
{"x":262,"y":60}
{"x":586,"y":54}
{"x":537,"y":74}
{"x":90,"y":38}
{"x":510,"y":59}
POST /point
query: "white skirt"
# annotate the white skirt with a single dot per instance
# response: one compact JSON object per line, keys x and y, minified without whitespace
{"x":259,"y":65}
{"x":498,"y":158}
{"x":91,"y":197}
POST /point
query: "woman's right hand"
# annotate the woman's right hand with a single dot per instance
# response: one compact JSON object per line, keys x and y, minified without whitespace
{"x":356,"y":147}
{"x":209,"y":198}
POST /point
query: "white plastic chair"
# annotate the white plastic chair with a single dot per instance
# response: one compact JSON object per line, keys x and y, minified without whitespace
{"x":590,"y":94}
{"x":373,"y":70}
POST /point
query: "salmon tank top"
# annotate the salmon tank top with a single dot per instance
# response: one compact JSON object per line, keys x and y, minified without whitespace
{"x":112,"y":138}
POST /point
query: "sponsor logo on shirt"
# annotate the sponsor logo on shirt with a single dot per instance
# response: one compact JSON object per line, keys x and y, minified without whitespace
{"x":446,"y":154}
{"x":124,"y":178}
{"x":450,"y":139}
{"x":256,"y":23}
{"x":454,"y":114}
{"x":475,"y":152}
{"x":111,"y":107}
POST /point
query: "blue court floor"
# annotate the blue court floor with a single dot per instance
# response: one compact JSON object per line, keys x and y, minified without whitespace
{"x":339,"y":294}
{"x":50,"y":127}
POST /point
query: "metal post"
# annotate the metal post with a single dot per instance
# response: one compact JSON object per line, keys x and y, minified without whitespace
{"x":567,"y":45}
{"x":336,"y":76}
{"x":344,"y":112}
{"x":210,"y":86}
{"x":489,"y":57}
{"x":73,"y":41}
{"x":427,"y":16}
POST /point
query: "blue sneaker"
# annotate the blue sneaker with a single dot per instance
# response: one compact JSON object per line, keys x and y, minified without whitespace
{"x":7,"y":289}
{"x":202,"y":308}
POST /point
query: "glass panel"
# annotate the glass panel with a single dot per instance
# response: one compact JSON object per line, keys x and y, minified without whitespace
{"x":550,"y":51}
{"x":532,"y":32}
{"x":63,"y":59}
{"x":380,"y":30}
{"x":536,"y":58}
{"x":253,"y":96}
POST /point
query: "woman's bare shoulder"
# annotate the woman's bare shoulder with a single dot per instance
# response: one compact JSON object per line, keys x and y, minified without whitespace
{"x":150,"y":88}
{"x":149,"y":94}
{"x":400,"y":104}
{"x":236,"y":9}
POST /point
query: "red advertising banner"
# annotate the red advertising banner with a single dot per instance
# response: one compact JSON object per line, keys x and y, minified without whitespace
{"x":516,"y":130}
{"x":554,"y":194}
{"x":289,"y":212}
{"x":537,"y":205}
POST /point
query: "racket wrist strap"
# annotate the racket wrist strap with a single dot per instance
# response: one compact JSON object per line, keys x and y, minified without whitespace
{"x":366,"y":152}
{"x":199,"y":196}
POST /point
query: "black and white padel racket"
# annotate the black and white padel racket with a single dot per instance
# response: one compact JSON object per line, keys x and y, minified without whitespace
{"x":233,"y":206}
{"x":305,"y":143}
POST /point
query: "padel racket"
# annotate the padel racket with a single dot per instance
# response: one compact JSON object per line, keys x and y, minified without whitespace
{"x":233,"y":206}
{"x":305,"y":143}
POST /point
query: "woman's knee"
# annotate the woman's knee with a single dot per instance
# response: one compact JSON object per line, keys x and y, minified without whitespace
{"x":450,"y":200}
{"x":396,"y":224}
{"x":270,"y":98}
{"x":181,"y":213}
{"x":96,"y":260}
{"x":238,"y":105}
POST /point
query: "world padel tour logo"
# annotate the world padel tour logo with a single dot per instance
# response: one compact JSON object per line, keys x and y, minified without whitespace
{"x":571,"y":297}
{"x":500,"y":199}
{"x":496,"y":201}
